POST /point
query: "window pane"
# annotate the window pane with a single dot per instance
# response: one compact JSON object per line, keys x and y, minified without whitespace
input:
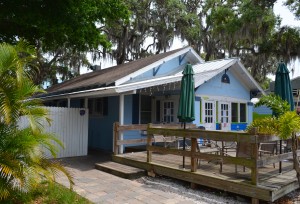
{"x":243,"y":113}
{"x":145,"y":103}
{"x":157,"y":111}
{"x":145,"y":109}
{"x":234,"y":112}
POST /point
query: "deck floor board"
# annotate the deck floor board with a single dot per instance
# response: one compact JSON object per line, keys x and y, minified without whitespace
{"x":269,"y":178}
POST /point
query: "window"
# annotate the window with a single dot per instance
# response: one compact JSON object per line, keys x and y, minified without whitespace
{"x":238,"y":112}
{"x":224,"y":113}
{"x":234,"y":113}
{"x":243,"y":113}
{"x":145,"y":109}
{"x":168,"y":111}
{"x":98,"y":106}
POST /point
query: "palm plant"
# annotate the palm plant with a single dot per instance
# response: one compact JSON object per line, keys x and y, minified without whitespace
{"x":284,"y":123}
{"x":22,"y":160}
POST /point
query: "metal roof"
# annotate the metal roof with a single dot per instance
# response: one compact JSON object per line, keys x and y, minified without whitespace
{"x":204,"y":71}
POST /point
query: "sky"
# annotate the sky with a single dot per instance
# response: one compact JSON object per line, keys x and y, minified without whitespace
{"x":287,"y":19}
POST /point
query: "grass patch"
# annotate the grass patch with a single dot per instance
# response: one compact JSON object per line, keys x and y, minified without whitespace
{"x":48,"y":193}
{"x":260,"y":116}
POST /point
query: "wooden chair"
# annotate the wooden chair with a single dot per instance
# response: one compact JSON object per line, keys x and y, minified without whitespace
{"x":242,"y":149}
{"x":229,"y":146}
{"x":268,"y":148}
{"x":167,"y":141}
{"x":212,"y":148}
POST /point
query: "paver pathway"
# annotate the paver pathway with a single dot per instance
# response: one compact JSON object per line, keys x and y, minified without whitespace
{"x":101,"y":187}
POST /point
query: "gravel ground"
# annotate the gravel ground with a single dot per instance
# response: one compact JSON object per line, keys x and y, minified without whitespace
{"x":204,"y":195}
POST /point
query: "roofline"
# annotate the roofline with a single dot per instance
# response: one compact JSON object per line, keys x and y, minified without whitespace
{"x":78,"y":92}
{"x":219,"y":70}
{"x":251,"y":78}
{"x":148,"y":83}
{"x":132,"y":87}
{"x":157,"y":63}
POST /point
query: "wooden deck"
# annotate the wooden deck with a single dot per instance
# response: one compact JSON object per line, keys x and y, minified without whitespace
{"x":271,"y":184}
{"x":259,"y":181}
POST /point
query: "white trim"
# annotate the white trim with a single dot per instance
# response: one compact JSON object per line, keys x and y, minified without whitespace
{"x":212,"y":125}
{"x":251,"y":78}
{"x":156,"y":64}
{"x":148,"y":83}
{"x":229,"y":111}
{"x":222,"y":98}
{"x":196,"y":55}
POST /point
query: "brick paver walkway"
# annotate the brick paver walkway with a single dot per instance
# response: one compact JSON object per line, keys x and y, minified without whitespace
{"x":101,"y":187}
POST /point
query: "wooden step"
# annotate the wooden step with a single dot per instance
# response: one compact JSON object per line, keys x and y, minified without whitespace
{"x":120,"y":170}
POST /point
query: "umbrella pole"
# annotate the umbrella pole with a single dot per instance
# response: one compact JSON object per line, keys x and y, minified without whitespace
{"x":280,"y":152}
{"x":183,"y":159}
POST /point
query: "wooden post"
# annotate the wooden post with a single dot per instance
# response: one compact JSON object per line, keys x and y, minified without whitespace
{"x":254,"y":157}
{"x":193,"y":151}
{"x":254,"y":201}
{"x":116,"y":137}
{"x":149,"y":143}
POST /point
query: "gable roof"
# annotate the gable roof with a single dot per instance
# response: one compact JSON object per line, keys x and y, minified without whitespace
{"x":203,"y":73}
{"x":118,"y":74}
{"x":208,"y":70}
{"x":117,"y":79}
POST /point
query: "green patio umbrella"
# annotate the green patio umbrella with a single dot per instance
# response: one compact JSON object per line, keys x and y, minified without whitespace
{"x":283,"y":89}
{"x":283,"y":86}
{"x":186,"y":109}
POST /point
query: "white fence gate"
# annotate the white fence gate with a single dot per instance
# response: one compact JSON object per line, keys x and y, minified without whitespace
{"x":70,"y":125}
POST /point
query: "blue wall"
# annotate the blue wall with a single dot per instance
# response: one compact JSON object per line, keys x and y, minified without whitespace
{"x":170,"y":67}
{"x":215,"y":87}
{"x":263,"y":110}
{"x":101,"y":128}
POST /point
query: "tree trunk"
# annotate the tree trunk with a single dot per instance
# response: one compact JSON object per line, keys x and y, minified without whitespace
{"x":295,"y":157}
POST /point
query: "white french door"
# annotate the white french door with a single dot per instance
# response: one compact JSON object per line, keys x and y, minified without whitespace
{"x":208,"y":115}
{"x":224,"y":115}
{"x":168,"y":113}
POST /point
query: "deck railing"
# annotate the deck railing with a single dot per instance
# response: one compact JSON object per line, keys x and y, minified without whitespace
{"x":192,"y":133}
{"x":118,"y":129}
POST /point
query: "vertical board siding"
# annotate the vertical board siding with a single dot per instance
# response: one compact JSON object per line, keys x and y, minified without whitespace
{"x":70,"y":127}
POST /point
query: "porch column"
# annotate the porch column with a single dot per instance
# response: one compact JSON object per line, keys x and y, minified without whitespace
{"x":121,"y":120}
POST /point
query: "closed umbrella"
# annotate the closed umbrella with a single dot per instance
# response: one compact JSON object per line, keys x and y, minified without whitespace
{"x":283,"y":89}
{"x":283,"y":86}
{"x":186,"y":109}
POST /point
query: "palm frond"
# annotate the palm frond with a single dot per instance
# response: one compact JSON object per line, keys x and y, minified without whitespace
{"x":289,"y":123}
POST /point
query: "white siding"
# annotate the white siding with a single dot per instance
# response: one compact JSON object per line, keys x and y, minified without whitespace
{"x":70,"y":127}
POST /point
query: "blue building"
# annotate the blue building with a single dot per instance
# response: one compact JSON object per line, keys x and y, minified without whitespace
{"x":147,"y":91}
